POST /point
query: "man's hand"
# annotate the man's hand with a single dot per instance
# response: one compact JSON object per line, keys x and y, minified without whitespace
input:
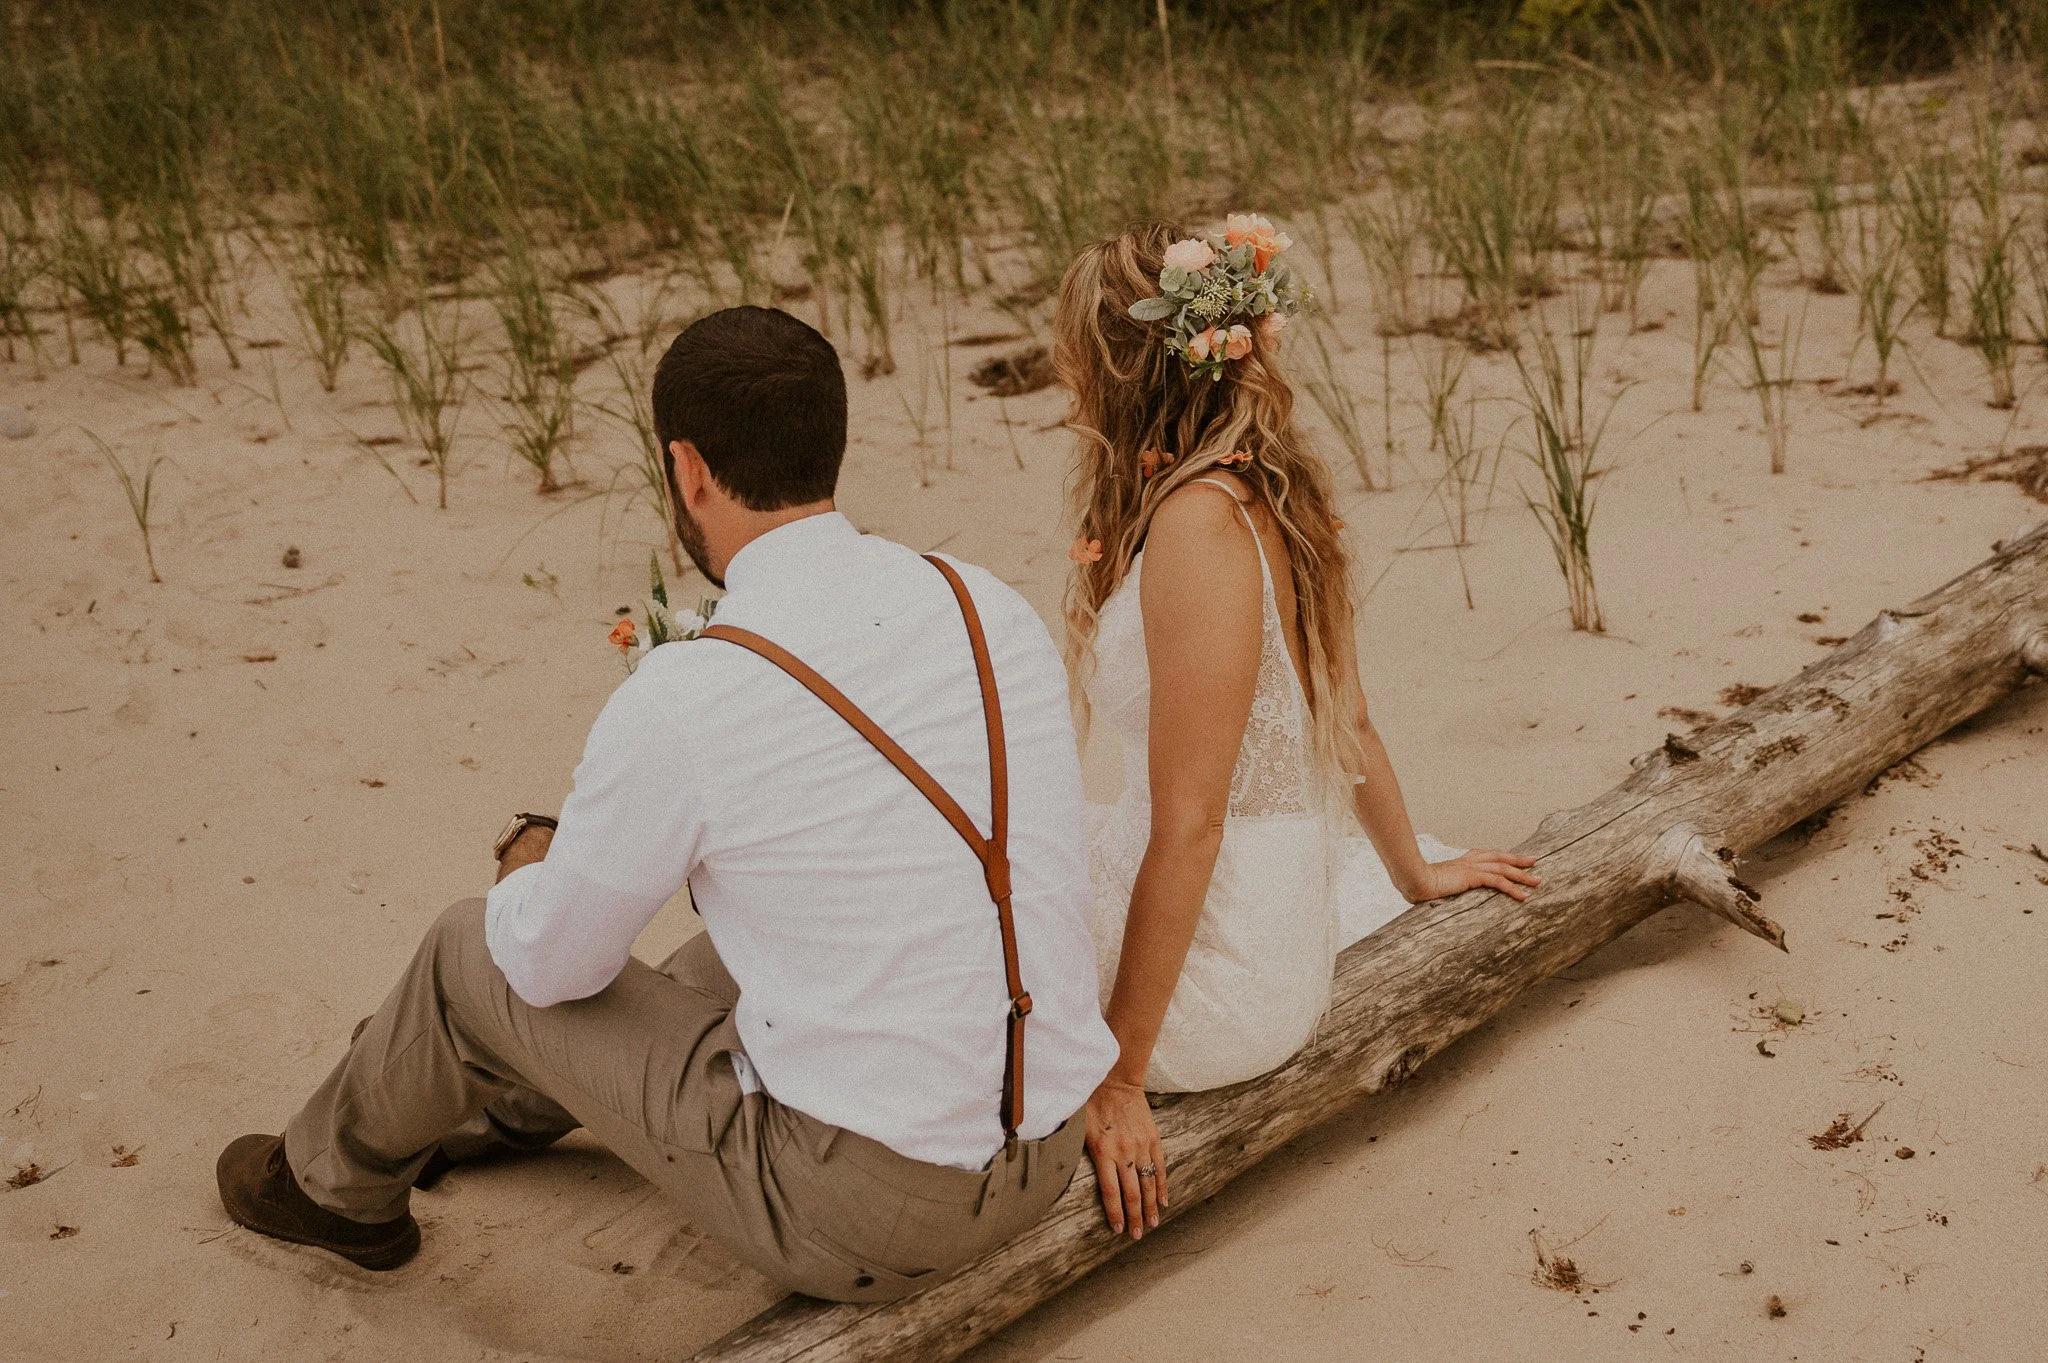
{"x":530,"y":846}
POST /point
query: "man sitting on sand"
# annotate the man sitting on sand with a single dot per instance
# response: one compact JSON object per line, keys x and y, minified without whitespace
{"x":832,"y":1078}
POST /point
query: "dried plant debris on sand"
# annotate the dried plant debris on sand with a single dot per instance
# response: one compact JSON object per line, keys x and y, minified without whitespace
{"x":1840,"y":1134}
{"x":1009,"y":376}
{"x":1557,"y":1273}
{"x":1698,"y":719}
{"x":28,"y":1175}
{"x":1905,"y":769}
{"x":2025,"y":467}
{"x":1938,"y":852}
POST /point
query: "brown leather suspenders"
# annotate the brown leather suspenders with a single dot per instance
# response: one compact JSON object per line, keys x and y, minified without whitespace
{"x":992,"y":851}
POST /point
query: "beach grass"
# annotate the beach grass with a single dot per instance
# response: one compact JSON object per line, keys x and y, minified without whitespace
{"x":140,"y":492}
{"x":538,"y":377}
{"x":1883,"y":297}
{"x":1565,"y":450}
{"x":1491,"y":209}
{"x":1769,"y":377}
{"x":319,"y":293}
{"x":396,"y":157}
{"x":1992,"y":278}
{"x":1332,"y":397}
{"x":1925,"y":207}
{"x":422,"y":353}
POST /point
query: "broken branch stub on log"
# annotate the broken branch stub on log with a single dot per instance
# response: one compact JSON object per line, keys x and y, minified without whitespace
{"x":1669,"y":832}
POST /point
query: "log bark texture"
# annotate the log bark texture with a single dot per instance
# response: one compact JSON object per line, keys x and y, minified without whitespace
{"x":1670,"y":831}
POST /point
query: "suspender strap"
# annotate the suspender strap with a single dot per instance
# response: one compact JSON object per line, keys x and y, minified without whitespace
{"x":992,"y":851}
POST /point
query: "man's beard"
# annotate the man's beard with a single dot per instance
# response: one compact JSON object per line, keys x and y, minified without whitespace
{"x":691,"y":536}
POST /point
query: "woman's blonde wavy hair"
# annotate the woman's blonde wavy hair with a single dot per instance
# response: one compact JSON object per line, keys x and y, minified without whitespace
{"x":1130,"y":394}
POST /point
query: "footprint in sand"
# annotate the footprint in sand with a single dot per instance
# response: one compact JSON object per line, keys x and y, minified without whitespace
{"x":137,"y":710}
{"x":241,"y":1060}
{"x":76,"y":594}
{"x":62,"y":869}
{"x":187,"y":631}
{"x":325,"y":1271}
{"x":647,"y":1284}
{"x":44,"y":978}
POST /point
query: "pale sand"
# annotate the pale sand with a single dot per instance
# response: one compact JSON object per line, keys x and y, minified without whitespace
{"x":206,"y":885}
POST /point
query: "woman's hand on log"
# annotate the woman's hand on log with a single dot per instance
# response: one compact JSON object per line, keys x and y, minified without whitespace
{"x":1507,"y":872}
{"x":1130,"y":1162}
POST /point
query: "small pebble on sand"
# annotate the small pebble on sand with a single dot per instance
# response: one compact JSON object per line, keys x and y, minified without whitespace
{"x":15,"y":424}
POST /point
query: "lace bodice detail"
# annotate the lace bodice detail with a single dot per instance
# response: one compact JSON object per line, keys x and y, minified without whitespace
{"x":1272,"y":773}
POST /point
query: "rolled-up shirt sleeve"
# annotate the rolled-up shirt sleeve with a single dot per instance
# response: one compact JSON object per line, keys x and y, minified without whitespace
{"x":563,"y":928}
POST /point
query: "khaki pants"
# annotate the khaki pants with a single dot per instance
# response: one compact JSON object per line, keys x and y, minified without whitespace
{"x":453,"y":1053}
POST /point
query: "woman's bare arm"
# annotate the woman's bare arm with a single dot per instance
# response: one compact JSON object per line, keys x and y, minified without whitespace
{"x":1203,"y":603}
{"x":1202,"y":596}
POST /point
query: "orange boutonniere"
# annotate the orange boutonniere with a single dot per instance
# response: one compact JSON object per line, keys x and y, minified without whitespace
{"x":1086,"y":551}
{"x":623,"y":634}
{"x":1241,"y":459}
{"x":1153,"y":462}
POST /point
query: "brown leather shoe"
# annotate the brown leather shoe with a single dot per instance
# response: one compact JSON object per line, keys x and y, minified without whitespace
{"x":258,"y":1190}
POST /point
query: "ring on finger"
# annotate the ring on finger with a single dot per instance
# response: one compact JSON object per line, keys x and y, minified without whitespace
{"x":1149,"y":1171}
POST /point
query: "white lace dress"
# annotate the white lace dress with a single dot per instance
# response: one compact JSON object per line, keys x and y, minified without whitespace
{"x":1288,"y":891}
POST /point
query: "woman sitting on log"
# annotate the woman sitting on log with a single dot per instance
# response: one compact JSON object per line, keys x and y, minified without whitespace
{"x":1209,"y":617}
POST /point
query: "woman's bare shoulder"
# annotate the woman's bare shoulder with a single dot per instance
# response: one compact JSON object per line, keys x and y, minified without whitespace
{"x":1201,"y":512}
{"x":1201,"y":592}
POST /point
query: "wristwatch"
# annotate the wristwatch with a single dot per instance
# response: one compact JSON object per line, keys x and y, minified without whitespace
{"x":520,"y":823}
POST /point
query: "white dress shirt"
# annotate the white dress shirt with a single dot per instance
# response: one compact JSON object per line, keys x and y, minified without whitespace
{"x":853,"y":917}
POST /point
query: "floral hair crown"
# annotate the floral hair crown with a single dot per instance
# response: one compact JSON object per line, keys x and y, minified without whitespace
{"x":1210,"y":284}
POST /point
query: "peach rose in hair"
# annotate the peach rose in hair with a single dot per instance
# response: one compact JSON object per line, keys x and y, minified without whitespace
{"x":1237,"y":343}
{"x":1086,"y":551}
{"x":1191,"y":253}
{"x":1239,"y":228}
{"x":1202,"y":344}
{"x":1272,"y":325}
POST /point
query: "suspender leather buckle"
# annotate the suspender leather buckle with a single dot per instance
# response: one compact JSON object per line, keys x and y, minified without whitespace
{"x":1020,"y":1007}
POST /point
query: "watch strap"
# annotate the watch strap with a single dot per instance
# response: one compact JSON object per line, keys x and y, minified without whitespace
{"x":520,"y":823}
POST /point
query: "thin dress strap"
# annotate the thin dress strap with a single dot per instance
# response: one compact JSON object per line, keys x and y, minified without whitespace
{"x":1265,"y":568}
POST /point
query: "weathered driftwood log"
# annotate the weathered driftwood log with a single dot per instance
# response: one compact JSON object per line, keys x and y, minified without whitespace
{"x":1669,"y":832}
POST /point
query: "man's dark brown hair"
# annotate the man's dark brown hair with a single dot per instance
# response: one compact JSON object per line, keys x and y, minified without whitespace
{"x":762,"y":397}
